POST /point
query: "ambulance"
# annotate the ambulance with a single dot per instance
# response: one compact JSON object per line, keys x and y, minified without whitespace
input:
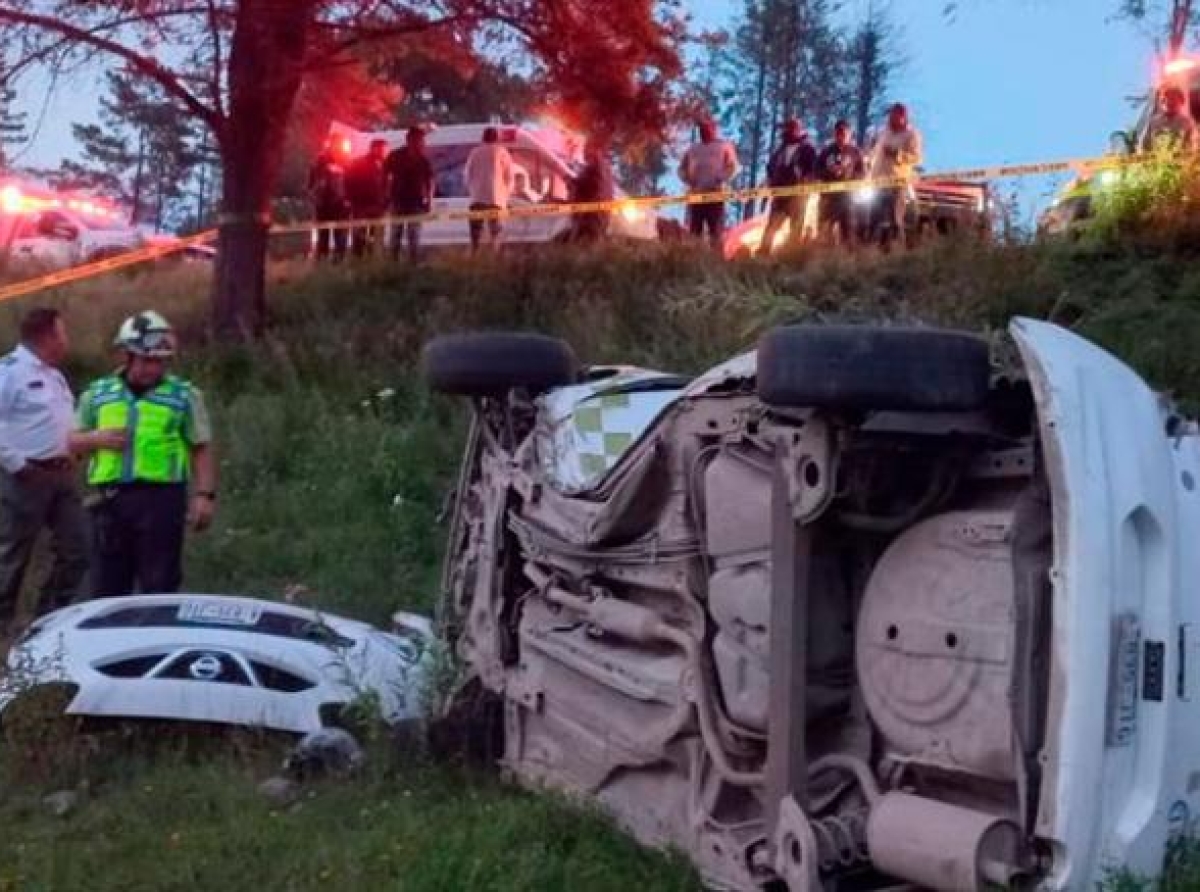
{"x":546,"y":158}
{"x":43,"y":228}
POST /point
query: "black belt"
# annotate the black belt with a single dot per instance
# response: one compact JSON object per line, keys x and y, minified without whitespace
{"x":51,"y":464}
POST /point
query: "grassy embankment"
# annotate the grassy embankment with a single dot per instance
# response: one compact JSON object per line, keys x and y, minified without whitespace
{"x":336,"y":462}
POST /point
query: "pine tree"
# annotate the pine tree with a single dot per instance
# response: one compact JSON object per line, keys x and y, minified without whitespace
{"x":790,"y":58}
{"x":13,"y":131}
{"x":873,"y":59}
{"x":144,"y":152}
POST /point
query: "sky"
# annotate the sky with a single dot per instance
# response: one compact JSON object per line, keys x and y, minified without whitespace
{"x":1003,"y":81}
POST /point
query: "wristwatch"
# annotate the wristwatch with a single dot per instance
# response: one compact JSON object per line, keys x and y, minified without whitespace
{"x":206,"y":494}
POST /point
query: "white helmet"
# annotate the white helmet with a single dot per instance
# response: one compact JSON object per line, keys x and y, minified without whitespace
{"x":147,"y":334}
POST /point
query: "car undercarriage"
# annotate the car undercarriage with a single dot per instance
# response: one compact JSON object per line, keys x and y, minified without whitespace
{"x":795,"y":627}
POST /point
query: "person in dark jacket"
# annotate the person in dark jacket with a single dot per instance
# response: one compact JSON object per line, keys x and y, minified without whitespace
{"x":593,"y":183}
{"x":327,"y":191}
{"x":366,"y":190}
{"x":410,"y":178}
{"x":792,"y":163}
{"x":839,"y":162}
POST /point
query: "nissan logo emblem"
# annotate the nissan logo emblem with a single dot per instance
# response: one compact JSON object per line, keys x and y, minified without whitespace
{"x":206,"y":667}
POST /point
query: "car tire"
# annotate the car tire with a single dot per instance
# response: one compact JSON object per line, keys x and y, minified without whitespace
{"x":492,"y":363}
{"x":868,"y":368}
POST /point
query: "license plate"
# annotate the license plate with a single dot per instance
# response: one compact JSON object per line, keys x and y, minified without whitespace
{"x":222,"y":614}
{"x":1123,"y":672}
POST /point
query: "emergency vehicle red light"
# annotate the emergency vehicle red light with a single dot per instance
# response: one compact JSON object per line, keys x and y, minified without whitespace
{"x":1179,"y":66}
{"x":10,"y":199}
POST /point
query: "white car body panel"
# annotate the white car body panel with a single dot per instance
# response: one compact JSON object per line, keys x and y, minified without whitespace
{"x":190,"y":632}
{"x":1122,"y":751}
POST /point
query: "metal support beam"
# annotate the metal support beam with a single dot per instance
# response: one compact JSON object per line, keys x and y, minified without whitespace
{"x":791,"y":548}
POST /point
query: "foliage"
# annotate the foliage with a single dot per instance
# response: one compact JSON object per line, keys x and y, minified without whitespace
{"x":144,"y":152}
{"x":1149,"y":205}
{"x":13,"y":125}
{"x":790,"y":58}
{"x":1170,"y":20}
{"x":238,"y":67}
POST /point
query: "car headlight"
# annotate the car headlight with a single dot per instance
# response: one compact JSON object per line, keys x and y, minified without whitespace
{"x":631,"y":213}
{"x":752,"y":238}
{"x":865,"y":196}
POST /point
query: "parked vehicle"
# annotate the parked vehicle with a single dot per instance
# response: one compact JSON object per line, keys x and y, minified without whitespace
{"x":43,"y":228}
{"x":546,"y":158}
{"x":935,"y":206}
{"x":844,"y":612}
{"x":1073,"y":207}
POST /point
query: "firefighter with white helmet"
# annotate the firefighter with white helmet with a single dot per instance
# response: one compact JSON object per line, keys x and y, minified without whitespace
{"x":145,"y":494}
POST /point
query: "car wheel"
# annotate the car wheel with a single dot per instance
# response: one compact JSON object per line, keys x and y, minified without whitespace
{"x":864,"y":368}
{"x":493,"y":363}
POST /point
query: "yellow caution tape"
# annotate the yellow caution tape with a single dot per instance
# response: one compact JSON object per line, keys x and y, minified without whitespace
{"x":1009,"y":171}
{"x":556,"y":209}
{"x":99,"y":267}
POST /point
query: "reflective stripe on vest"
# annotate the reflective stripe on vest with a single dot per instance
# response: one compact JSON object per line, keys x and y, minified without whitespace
{"x":156,"y":451}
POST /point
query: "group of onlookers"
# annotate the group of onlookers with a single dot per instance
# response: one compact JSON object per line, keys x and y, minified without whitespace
{"x":401,"y":183}
{"x":711,"y":164}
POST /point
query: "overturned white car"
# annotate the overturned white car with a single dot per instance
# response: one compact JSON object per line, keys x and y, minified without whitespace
{"x":847,"y":612}
{"x":219,"y":659}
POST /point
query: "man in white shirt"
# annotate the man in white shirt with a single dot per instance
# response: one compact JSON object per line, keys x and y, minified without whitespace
{"x":708,"y":166}
{"x":38,"y":486}
{"x":490,"y":177}
{"x":897,"y":153}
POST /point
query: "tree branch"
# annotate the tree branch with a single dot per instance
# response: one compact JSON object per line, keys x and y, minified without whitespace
{"x":363,"y":36}
{"x":170,"y":81}
{"x":214,"y":85}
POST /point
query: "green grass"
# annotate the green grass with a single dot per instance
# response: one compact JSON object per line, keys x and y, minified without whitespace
{"x":336,"y":463}
{"x":200,"y":824}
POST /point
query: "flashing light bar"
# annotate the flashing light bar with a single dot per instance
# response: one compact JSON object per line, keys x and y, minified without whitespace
{"x":14,"y":201}
{"x":1179,"y":66}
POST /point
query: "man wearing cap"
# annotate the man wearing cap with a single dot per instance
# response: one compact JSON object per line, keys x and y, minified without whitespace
{"x":839,"y":162}
{"x":37,"y":476}
{"x":791,"y":163}
{"x":141,"y":503}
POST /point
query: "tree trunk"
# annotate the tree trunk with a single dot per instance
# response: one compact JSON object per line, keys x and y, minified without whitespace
{"x":265,"y":70}
{"x":760,"y":97}
{"x":136,"y":211}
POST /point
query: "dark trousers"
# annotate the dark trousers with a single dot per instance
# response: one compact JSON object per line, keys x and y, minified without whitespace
{"x":837,"y":211}
{"x":494,"y":227}
{"x":330,"y":242}
{"x":890,"y":210}
{"x":589,"y":227}
{"x":710,"y":217}
{"x":137,"y":543}
{"x":784,"y":209}
{"x":407,"y":233}
{"x":46,"y":499}
{"x":365,"y":240}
